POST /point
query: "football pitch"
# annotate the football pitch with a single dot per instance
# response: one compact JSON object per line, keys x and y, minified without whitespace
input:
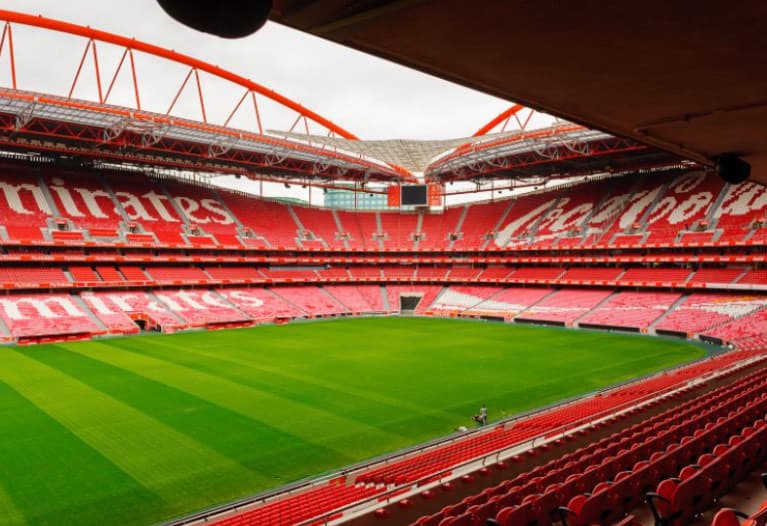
{"x":142,"y":429}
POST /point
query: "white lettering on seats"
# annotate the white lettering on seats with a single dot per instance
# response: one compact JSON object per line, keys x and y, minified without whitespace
{"x":13,"y":193}
{"x":42,"y":307}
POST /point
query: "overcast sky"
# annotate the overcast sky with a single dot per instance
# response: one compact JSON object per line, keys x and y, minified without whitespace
{"x":370,"y":97}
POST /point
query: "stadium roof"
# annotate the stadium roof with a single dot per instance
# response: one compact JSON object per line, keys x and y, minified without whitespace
{"x":414,"y":155}
{"x":686,"y":76}
{"x":313,"y":149}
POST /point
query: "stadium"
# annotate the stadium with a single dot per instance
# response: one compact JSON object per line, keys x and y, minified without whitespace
{"x":180,"y":352}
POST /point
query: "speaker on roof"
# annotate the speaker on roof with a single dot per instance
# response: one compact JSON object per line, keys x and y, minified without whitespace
{"x":732,"y":168}
{"x":225,"y":18}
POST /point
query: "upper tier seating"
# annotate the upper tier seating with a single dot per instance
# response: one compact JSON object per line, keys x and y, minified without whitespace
{"x":525,"y":214}
{"x":614,"y":201}
{"x":24,"y":207}
{"x":267,"y":219}
{"x":46,"y":315}
{"x":565,"y":306}
{"x":437,"y":228}
{"x":742,"y":205}
{"x":399,"y":230}
{"x":687,"y":200}
{"x":480,"y":220}
{"x":626,"y":211}
{"x":84,"y":199}
{"x":147,"y":204}
{"x":360,"y":226}
{"x":321,"y":224}
{"x":569,"y":214}
{"x":635,"y":310}
{"x":696,"y":238}
{"x":203,"y":209}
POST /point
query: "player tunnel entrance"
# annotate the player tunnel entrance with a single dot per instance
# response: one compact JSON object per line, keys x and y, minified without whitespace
{"x":409,"y":302}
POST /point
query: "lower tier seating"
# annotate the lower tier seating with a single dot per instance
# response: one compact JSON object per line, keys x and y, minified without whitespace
{"x":46,"y":316}
{"x":691,"y":453}
{"x":565,"y":306}
{"x":701,"y":311}
{"x":635,"y":310}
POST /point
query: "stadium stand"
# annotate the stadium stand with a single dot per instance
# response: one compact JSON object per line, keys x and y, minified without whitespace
{"x":84,"y":200}
{"x":177,"y":275}
{"x":313,"y":300}
{"x":479,"y":222}
{"x":262,"y":304}
{"x":202,"y":308}
{"x":350,"y":297}
{"x":436,"y":229}
{"x":319,"y":224}
{"x":564,"y":306}
{"x":213,"y":253}
{"x":205,"y":214}
{"x":46,"y":317}
{"x":398,"y":230}
{"x":268,"y":220}
{"x":630,"y":310}
{"x":698,"y":312}
{"x":146,"y":204}
{"x":360,"y":227}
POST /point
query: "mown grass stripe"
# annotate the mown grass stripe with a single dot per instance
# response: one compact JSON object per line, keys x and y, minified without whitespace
{"x":234,"y":435}
{"x":49,"y":476}
{"x":166,"y":462}
{"x":338,"y":397}
{"x":310,"y":422}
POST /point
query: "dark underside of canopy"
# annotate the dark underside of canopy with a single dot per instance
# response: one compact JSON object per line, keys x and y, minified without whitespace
{"x":687,"y":76}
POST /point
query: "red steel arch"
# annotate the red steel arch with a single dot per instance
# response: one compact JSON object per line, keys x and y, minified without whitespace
{"x":130,"y":45}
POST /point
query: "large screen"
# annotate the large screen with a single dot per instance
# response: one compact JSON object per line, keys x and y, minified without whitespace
{"x":414,"y":195}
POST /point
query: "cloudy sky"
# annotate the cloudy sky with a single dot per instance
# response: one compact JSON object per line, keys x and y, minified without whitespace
{"x":370,"y":97}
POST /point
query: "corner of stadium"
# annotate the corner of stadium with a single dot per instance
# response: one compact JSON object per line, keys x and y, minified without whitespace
{"x":179,"y":352}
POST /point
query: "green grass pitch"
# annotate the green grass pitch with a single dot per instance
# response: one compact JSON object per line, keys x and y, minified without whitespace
{"x":139,"y":430}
